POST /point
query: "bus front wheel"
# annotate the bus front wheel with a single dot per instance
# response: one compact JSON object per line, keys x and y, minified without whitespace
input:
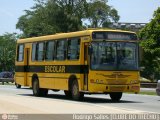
{"x":75,"y":93}
{"x":116,"y":96}
{"x":39,"y":92}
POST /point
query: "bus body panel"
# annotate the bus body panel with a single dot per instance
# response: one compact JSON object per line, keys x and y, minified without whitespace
{"x":19,"y":78}
{"x":114,"y":81}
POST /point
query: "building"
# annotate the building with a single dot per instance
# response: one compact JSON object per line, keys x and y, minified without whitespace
{"x":127,"y":26}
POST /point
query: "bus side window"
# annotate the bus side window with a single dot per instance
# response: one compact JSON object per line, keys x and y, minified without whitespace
{"x":61,"y":50}
{"x":34,"y":56}
{"x":50,"y":47}
{"x":40,"y":51}
{"x":73,"y":49}
{"x":20,"y":53}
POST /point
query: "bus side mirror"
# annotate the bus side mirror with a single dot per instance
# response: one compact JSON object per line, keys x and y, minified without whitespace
{"x":90,"y":50}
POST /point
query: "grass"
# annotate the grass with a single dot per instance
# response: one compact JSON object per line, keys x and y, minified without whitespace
{"x":148,"y":93}
{"x":145,"y":93}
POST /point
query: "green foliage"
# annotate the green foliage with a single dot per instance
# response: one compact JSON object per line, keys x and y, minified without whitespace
{"x":54,"y":16}
{"x":51,"y":16}
{"x":7,"y":52}
{"x":150,"y":36}
{"x":36,"y":22}
{"x":100,"y":14}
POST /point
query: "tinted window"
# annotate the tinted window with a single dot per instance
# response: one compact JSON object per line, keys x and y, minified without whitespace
{"x":38,"y":51}
{"x":73,"y":49}
{"x":61,"y":50}
{"x":114,"y":56}
{"x":20,"y":52}
{"x":34,"y":51}
{"x":50,"y":50}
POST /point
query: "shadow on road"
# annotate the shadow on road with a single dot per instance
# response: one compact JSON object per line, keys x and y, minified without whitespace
{"x":27,"y":88}
{"x":85,"y":100}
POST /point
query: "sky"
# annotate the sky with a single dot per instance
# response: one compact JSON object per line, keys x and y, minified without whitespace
{"x":135,"y":11}
{"x":132,"y":11}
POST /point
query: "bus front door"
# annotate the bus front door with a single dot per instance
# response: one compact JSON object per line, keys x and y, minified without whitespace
{"x":86,"y":64}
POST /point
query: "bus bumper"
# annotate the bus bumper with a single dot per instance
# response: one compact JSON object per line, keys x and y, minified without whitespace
{"x":135,"y":88}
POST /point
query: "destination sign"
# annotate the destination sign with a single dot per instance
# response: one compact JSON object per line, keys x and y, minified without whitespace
{"x":113,"y":36}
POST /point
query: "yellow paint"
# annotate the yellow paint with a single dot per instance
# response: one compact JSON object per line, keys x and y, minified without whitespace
{"x":115,"y":81}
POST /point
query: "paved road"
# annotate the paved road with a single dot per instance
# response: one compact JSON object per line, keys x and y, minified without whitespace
{"x":15,"y":101}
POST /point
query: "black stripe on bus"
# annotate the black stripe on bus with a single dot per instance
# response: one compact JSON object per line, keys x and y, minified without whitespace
{"x":53,"y":68}
{"x":53,"y":77}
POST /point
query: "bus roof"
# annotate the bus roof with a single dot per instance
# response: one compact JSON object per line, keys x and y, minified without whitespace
{"x":67,"y":35}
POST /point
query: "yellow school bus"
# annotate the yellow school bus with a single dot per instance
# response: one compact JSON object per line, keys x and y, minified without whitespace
{"x":89,"y":61}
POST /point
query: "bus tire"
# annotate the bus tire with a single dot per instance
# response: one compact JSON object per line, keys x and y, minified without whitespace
{"x":17,"y":85}
{"x":68,"y":94}
{"x":116,"y":96}
{"x":37,"y":91}
{"x":75,"y":93}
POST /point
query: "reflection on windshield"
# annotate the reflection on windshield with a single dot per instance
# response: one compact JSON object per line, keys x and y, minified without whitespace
{"x":114,"y":56}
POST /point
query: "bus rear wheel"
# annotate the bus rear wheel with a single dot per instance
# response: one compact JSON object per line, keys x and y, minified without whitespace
{"x":39,"y":92}
{"x":116,"y":96}
{"x":17,"y":85}
{"x":75,"y":93}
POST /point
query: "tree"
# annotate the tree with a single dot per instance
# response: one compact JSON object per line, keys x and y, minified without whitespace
{"x":36,"y":21}
{"x":7,"y":51}
{"x":51,"y":16}
{"x":54,"y":16}
{"x":151,"y":45}
{"x":100,"y":14}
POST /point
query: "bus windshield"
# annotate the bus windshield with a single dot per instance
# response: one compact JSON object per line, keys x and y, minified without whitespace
{"x":114,"y":56}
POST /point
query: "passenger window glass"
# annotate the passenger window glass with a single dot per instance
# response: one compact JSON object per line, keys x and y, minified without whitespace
{"x":20,"y":53}
{"x":34,"y":51}
{"x":61,"y":50}
{"x":40,"y":51}
{"x":50,"y":50}
{"x":73,"y":49}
